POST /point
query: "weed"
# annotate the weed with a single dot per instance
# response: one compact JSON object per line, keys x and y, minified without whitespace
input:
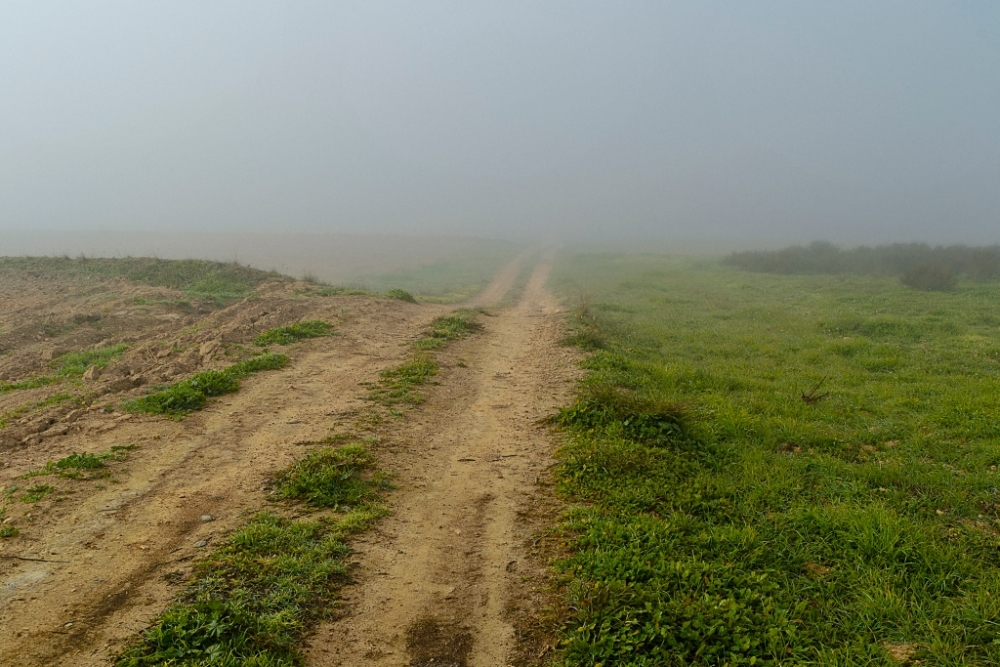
{"x":456,"y":326}
{"x":33,"y":494}
{"x":294,"y":332}
{"x":75,"y":364}
{"x":189,"y":395}
{"x":74,"y":465}
{"x":9,"y":531}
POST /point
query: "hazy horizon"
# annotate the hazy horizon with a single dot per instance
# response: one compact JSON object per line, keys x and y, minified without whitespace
{"x":695,"y":123}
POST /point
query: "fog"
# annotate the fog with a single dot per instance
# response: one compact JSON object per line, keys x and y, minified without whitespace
{"x":728,"y":122}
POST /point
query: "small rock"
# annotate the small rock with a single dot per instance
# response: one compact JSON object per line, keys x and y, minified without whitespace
{"x":207,"y":517}
{"x":91,"y":374}
{"x":201,"y":544}
{"x":209,"y":348}
{"x":68,"y":625}
{"x":458,"y":532}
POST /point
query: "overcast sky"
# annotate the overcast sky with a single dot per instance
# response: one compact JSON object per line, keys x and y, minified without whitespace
{"x":851,"y":121}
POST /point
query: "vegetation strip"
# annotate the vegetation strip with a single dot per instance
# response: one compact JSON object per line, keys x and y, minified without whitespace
{"x":186,"y":396}
{"x":717,"y":517}
{"x":294,"y":333}
{"x":253,"y":599}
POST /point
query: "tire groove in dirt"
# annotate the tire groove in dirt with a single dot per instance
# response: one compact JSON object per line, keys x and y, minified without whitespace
{"x":433,"y":584}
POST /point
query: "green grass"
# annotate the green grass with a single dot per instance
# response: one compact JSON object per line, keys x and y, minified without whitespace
{"x":217,"y":282}
{"x":294,"y":333}
{"x":186,"y":396}
{"x":718,"y":518}
{"x":332,"y":477}
{"x":253,"y":600}
{"x":7,"y":530}
{"x":75,"y":364}
{"x":399,"y":385}
{"x":83,"y":465}
{"x":34,"y":493}
{"x":456,"y":326}
{"x":30,"y":383}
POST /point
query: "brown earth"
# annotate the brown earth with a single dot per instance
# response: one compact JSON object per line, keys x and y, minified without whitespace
{"x":439,"y":581}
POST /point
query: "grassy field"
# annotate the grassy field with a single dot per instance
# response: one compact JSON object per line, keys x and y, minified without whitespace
{"x":786,"y":470}
{"x":450,"y":280}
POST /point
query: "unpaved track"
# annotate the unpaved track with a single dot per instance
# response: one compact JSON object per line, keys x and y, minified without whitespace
{"x":435,"y":583}
{"x":104,"y":558}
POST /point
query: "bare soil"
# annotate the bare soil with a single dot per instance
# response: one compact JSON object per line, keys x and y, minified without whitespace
{"x":440,"y":581}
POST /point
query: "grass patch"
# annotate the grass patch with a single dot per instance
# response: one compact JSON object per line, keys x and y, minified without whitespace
{"x":332,"y":477}
{"x":75,"y":364}
{"x":30,"y":383}
{"x":455,"y":326}
{"x":399,"y":385}
{"x":294,"y":333}
{"x":7,"y":530}
{"x":34,"y":493}
{"x":716,"y":517}
{"x":401,"y":294}
{"x":252,"y":601}
{"x":186,"y":396}
{"x":83,"y":465}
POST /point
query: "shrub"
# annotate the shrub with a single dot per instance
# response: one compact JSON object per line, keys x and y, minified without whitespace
{"x":936,"y":277}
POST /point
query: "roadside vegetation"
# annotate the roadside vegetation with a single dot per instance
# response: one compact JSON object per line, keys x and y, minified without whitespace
{"x":779,"y":469}
{"x":294,"y":333}
{"x":400,"y":385}
{"x":75,"y":364}
{"x":182,"y":398}
{"x":251,"y":601}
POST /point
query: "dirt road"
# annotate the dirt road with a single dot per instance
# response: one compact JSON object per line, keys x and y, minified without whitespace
{"x":437,"y":580}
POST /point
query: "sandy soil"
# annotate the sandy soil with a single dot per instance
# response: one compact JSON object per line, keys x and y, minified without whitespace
{"x":440,"y":580}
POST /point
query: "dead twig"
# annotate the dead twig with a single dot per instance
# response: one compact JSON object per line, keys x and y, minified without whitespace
{"x":810,"y":397}
{"x":37,"y":560}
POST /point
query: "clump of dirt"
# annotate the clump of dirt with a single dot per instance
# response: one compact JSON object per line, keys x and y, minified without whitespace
{"x":434,"y":643}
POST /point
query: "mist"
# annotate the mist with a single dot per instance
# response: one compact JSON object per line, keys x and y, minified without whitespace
{"x":710,"y":122}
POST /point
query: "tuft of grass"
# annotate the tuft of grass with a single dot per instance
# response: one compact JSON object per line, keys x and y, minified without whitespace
{"x":30,"y":383}
{"x":75,"y":364}
{"x":75,"y":465}
{"x":770,"y":530}
{"x":332,"y":477}
{"x":399,"y":385}
{"x":252,"y":601}
{"x":186,"y":396}
{"x":294,"y":333}
{"x":34,"y":493}
{"x":456,"y":326}
{"x":401,"y":294}
{"x":7,"y":530}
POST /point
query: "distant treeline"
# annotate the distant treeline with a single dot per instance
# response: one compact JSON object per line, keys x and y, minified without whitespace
{"x":917,"y":264}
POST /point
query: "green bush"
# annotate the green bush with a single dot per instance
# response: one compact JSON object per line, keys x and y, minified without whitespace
{"x":930,"y":277}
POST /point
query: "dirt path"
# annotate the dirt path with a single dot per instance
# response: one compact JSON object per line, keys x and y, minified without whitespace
{"x":437,"y":580}
{"x":106,"y":561}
